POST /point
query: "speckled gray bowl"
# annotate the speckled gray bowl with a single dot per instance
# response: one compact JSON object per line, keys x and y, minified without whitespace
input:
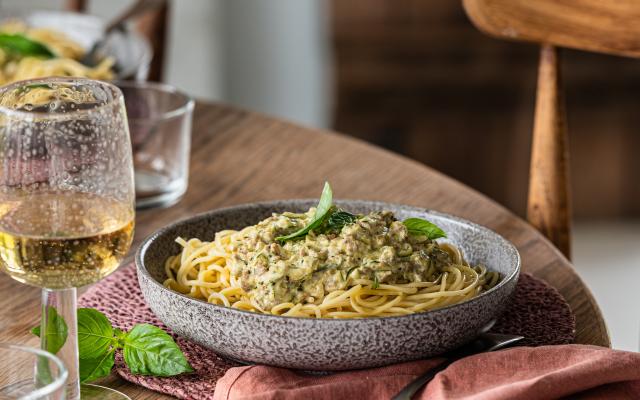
{"x":324,"y":344}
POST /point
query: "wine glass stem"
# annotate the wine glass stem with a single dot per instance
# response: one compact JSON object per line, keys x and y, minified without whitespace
{"x":62,"y":303}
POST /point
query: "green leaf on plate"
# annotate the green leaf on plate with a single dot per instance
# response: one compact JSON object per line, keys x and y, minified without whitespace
{"x":148,"y":350}
{"x":419,"y":226}
{"x":96,"y":368}
{"x":22,"y":45}
{"x":95,"y":333}
{"x":56,"y":332}
{"x":322,"y":211}
{"x":337,"y":220}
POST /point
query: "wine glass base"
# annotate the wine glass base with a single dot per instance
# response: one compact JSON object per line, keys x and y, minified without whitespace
{"x":95,"y":392}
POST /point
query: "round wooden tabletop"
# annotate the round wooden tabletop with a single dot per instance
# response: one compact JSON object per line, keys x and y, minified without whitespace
{"x":240,"y":157}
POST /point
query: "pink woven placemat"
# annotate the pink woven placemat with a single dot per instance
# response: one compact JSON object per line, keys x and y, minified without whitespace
{"x":536,"y":311}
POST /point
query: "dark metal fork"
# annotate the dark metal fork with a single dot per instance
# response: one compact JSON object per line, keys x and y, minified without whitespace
{"x":484,"y":342}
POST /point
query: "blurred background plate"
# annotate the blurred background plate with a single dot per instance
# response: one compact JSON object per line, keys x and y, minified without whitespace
{"x":131,"y":50}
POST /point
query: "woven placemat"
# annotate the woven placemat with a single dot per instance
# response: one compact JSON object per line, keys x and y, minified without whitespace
{"x":536,"y":311}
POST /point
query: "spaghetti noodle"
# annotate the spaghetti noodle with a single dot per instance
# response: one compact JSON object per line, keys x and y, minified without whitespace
{"x":16,"y":67}
{"x":412,"y":273}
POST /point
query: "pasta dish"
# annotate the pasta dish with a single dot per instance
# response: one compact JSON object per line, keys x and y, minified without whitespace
{"x":328,"y":263}
{"x":28,"y":53}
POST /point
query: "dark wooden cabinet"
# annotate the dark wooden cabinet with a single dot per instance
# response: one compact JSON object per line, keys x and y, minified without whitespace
{"x":416,"y":77}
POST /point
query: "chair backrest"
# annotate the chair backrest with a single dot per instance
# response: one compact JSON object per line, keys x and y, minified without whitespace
{"x":153,"y":25}
{"x":593,"y":25}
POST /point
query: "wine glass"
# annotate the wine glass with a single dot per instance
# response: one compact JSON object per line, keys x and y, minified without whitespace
{"x":66,"y":198}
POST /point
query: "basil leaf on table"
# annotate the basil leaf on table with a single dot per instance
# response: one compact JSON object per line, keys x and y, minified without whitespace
{"x":148,"y":350}
{"x":92,"y":369}
{"x":95,"y":333}
{"x":22,"y":45}
{"x":322,"y":211}
{"x":119,"y":334}
{"x":419,"y":226}
{"x":56,"y":331}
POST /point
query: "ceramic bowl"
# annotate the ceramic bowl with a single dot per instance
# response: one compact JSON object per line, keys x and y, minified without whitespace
{"x":324,"y":344}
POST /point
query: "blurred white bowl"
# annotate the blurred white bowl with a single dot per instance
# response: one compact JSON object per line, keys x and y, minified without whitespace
{"x":131,"y":50}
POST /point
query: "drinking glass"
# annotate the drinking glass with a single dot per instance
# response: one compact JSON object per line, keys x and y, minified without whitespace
{"x":160,"y":127}
{"x":66,"y":198}
{"x":19,"y":380}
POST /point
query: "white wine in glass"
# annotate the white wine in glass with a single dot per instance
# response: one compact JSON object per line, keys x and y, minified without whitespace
{"x":57,"y":253}
{"x":66,"y":196}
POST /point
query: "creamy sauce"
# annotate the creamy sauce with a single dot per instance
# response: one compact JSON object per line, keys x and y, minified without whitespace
{"x":375,"y":247}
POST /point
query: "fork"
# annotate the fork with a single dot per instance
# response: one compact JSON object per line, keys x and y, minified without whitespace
{"x":484,"y":342}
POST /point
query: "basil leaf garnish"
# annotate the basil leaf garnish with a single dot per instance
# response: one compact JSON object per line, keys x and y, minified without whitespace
{"x":56,"y":331}
{"x":322,"y":211}
{"x":22,"y":45}
{"x":419,"y":226}
{"x":337,"y":220}
{"x":148,"y":350}
{"x":96,"y":368}
{"x":95,"y":333}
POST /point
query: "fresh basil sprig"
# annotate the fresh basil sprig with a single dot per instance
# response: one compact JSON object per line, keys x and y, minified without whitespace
{"x":56,"y":331}
{"x":422,"y":227}
{"x":329,"y":218}
{"x":322,"y":212}
{"x":95,"y":333}
{"x":23,"y":46}
{"x":92,"y":369}
{"x":148,"y":350}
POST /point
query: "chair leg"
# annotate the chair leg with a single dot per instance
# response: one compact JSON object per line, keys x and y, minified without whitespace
{"x":549,"y":202}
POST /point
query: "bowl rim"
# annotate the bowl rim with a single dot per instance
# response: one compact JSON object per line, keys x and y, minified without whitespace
{"x":148,"y":241}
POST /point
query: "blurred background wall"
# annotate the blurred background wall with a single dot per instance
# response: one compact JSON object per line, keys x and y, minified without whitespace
{"x":419,"y":79}
{"x":272,"y":56}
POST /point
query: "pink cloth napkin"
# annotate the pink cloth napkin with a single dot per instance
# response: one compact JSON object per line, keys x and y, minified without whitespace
{"x":536,"y":311}
{"x":527,"y":373}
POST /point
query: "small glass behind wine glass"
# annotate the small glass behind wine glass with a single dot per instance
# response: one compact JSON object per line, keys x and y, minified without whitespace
{"x":66,"y":198}
{"x":160,"y":126}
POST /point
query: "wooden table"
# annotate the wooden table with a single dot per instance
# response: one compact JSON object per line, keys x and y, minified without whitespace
{"x":239,"y":156}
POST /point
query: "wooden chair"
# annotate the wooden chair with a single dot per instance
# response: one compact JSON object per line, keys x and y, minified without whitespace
{"x":593,"y":25}
{"x":153,"y":25}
